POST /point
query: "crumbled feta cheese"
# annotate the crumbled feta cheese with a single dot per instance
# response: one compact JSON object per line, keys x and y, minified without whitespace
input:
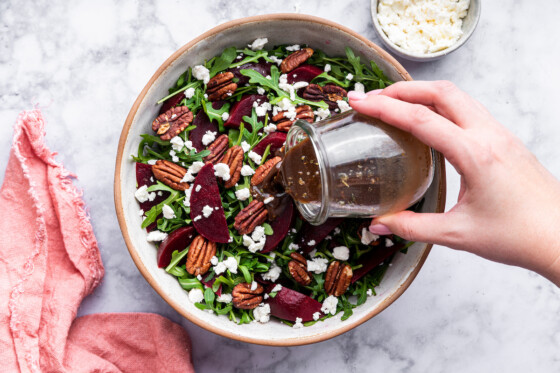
{"x":189,"y":145}
{"x":329,"y":305}
{"x":317,"y":265}
{"x":293,"y":48}
{"x":276,"y":288}
{"x":225,"y":116}
{"x":224,"y":298}
{"x":327,"y":67}
{"x":214,"y":260}
{"x":311,"y":243}
{"x":254,"y":157}
{"x":220,"y":268}
{"x":168,"y":212}
{"x":242,"y":194}
{"x":188,"y":178}
{"x":239,"y":57}
{"x":261,"y":91}
{"x":293,"y":246}
{"x":349,"y":76}
{"x":298,"y":323}
{"x":231,"y":264}
{"x":189,"y":93}
{"x":197,"y":218}
{"x":265,"y":296}
{"x":245,"y":146}
{"x":177,"y":143}
{"x":207,"y":211}
{"x":313,"y":253}
{"x":341,"y":253}
{"x":198,"y":187}
{"x":258,"y":44}
{"x":262,"y":313}
{"x":343,"y":106}
{"x":290,"y":88}
{"x":258,"y":233}
{"x":369,"y":292}
{"x":199,"y":277}
{"x":141,"y":212}
{"x":254,"y":286}
{"x":368,"y":237}
{"x":208,"y":137}
{"x":201,"y":73}
{"x":388,"y":242}
{"x":160,"y":193}
{"x":322,"y":113}
{"x":142,"y":194}
{"x":359,"y":87}
{"x":195,"y":167}
{"x":273,"y":273}
{"x":422,"y":26}
{"x":269,"y":128}
{"x":222,"y":170}
{"x":152,"y":162}
{"x":316,"y":316}
{"x":196,"y":295}
{"x":206,"y":96}
{"x":155,"y":236}
{"x":268,"y":200}
{"x":275,"y":59}
{"x":336,"y":231}
{"x":262,"y":109}
{"x":187,"y":200}
{"x":173,"y":155}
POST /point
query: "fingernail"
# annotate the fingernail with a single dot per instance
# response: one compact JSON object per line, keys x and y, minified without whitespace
{"x":380,"y":229}
{"x":374,"y":92}
{"x":357,"y":96}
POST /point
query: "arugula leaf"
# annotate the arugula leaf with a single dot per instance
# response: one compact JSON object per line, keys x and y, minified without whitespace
{"x":221,"y":63}
{"x":216,"y":114}
{"x":354,"y":61}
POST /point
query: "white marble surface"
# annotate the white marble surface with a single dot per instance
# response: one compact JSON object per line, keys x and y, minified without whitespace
{"x":84,"y":62}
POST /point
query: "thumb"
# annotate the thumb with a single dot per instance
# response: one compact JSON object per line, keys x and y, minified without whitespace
{"x":422,"y":227}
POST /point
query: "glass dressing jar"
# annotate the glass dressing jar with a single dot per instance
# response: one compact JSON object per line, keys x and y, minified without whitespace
{"x":352,"y":165}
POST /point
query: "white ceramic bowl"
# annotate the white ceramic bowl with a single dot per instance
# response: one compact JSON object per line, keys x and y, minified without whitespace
{"x":280,"y":29}
{"x":469,"y":25}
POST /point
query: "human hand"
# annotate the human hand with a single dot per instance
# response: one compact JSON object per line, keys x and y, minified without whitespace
{"x":508,"y":209}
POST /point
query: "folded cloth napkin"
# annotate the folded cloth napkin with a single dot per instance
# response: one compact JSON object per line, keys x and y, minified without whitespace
{"x":49,"y":261}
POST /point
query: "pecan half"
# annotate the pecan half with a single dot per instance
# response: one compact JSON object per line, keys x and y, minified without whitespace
{"x":234,"y":159}
{"x":295,"y":59}
{"x":170,"y":174}
{"x":250,"y":217}
{"x":217,"y":149}
{"x":245,"y":298}
{"x":298,"y":269}
{"x":264,"y":170}
{"x":199,"y":255}
{"x":330,"y":93}
{"x":284,"y":124}
{"x":172,"y":122}
{"x":338,"y":278}
{"x":221,"y":86}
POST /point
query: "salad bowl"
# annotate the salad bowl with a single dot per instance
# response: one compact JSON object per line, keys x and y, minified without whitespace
{"x":279,"y":29}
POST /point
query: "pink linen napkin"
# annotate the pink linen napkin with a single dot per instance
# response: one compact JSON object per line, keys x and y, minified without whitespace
{"x":49,"y":261}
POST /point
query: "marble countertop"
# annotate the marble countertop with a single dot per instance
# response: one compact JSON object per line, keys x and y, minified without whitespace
{"x":84,"y":63}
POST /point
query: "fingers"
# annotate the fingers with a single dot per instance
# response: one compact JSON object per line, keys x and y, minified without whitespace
{"x":429,"y":127}
{"x":444,"y":96}
{"x":421,"y":227}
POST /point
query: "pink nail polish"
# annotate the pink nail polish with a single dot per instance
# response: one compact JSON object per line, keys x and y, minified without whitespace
{"x":374,"y":92}
{"x":380,"y":229}
{"x":356,"y":96}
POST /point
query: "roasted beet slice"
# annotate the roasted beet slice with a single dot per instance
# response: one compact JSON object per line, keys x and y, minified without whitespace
{"x":203,"y":124}
{"x":209,"y":284}
{"x":178,"y":240}
{"x":311,"y":235}
{"x":171,"y":102}
{"x":262,"y":68}
{"x":275,"y":140}
{"x":377,"y":256}
{"x":144,"y":176}
{"x":280,"y":226}
{"x":288,"y":304}
{"x":304,"y":73}
{"x":242,"y":108}
{"x":206,"y":193}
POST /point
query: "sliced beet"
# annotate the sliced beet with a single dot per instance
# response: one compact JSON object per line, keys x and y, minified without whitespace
{"x":311,"y":235}
{"x":304,"y":73}
{"x":178,"y":240}
{"x":377,"y":256}
{"x":288,"y":304}
{"x":144,"y":176}
{"x":209,"y":284}
{"x":280,"y":227}
{"x":171,"y":102}
{"x":242,"y":108}
{"x":206,"y":193}
{"x":203,"y":124}
{"x":262,"y":68}
{"x":276,"y":140}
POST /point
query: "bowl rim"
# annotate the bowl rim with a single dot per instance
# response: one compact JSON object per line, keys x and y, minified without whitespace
{"x":121,"y":215}
{"x":417,"y":56}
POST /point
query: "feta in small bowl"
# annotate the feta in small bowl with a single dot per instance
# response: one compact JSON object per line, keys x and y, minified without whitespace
{"x":424,"y":30}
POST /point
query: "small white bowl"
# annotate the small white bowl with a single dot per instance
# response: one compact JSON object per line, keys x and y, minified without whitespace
{"x":469,"y":25}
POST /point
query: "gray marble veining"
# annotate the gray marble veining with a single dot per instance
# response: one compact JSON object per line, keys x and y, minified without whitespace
{"x":84,"y":62}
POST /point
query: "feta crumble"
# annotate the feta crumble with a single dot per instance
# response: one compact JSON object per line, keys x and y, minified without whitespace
{"x":195,"y":167}
{"x":327,"y":67}
{"x":311,"y":243}
{"x":258,"y":44}
{"x":152,"y":162}
{"x":142,"y":194}
{"x":329,"y":305}
{"x":196,"y":295}
{"x":258,"y":233}
{"x":214,"y":260}
{"x":268,"y":200}
{"x":293,"y":48}
{"x":198,"y":187}
{"x":316,"y":316}
{"x":273,"y":273}
{"x":368,"y":237}
{"x":225,"y":116}
{"x":224,"y":298}
{"x":187,"y":200}
{"x":254,"y":286}
{"x":208,"y":137}
{"x":207,"y":211}
{"x":222,"y":170}
{"x":173,"y":155}
{"x":276,"y":288}
{"x":255,"y":158}
{"x":269,"y":128}
{"x":293,"y":246}
{"x":317,"y":265}
{"x":369,"y":292}
{"x":341,"y":253}
{"x":262,"y":313}
{"x":275,"y":59}
{"x":177,"y":143}
{"x":168,"y":212}
{"x":298,"y":323}
{"x":231,"y":264}
{"x":349,"y":76}
{"x":245,"y":146}
{"x":201,"y":73}
{"x":189,"y":93}
{"x":388,"y":242}
{"x":359,"y":87}
{"x":343,"y":106}
{"x":322,"y":113}
{"x":261,"y":91}
{"x":242,"y":194}
{"x":155,"y":236}
{"x":188,"y":178}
